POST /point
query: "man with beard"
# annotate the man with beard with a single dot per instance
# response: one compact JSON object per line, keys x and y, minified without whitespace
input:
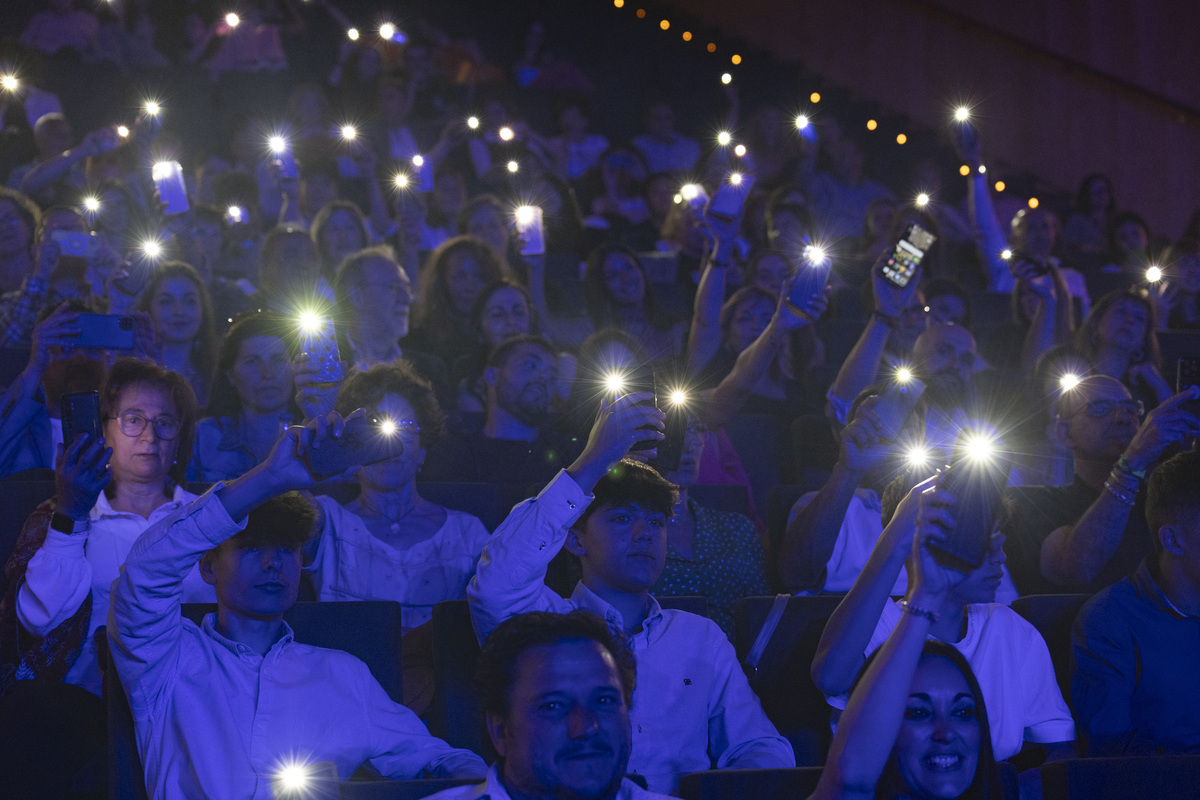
{"x":514,"y":446}
{"x":557,"y":689}
{"x":1092,"y":533}
{"x":944,"y":358}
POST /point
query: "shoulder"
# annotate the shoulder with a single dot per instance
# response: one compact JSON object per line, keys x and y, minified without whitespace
{"x":468,"y":526}
{"x":696,"y":628}
{"x":1109,"y":607}
{"x":998,"y":621}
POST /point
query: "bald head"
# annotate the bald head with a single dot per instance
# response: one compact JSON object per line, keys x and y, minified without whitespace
{"x":1097,"y":419}
{"x":1091,"y":389}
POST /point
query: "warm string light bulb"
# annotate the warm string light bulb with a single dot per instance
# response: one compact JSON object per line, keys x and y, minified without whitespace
{"x":506,"y":134}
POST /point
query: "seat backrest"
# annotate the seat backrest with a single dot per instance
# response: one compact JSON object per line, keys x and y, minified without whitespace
{"x":721,"y":497}
{"x":19,"y":498}
{"x":1053,"y":615}
{"x":814,"y":444}
{"x":1160,"y":777}
{"x":779,"y":504}
{"x":760,"y":442}
{"x":760,"y":784}
{"x":399,"y":790}
{"x":790,"y":699}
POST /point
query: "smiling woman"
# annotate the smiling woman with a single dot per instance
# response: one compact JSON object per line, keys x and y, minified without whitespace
{"x":181,"y":313}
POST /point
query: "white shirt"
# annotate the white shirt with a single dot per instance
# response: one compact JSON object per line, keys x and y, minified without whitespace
{"x":693,"y":708}
{"x":353,"y":564}
{"x":69,"y":566}
{"x":1014,"y":671}
{"x":861,"y":528}
{"x":493,"y":789}
{"x":215,"y":719}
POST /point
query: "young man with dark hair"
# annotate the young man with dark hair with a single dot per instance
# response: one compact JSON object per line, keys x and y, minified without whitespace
{"x":557,"y":689}
{"x":222,"y":708}
{"x":1135,"y":647}
{"x":695,"y":709}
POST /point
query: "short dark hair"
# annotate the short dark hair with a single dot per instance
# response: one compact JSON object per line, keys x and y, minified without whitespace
{"x":1171,"y":493}
{"x":130,"y":371}
{"x":629,"y":482}
{"x":942,"y":287}
{"x":500,"y":353}
{"x":366,"y":388}
{"x":287,"y":519}
{"x":498,"y":660}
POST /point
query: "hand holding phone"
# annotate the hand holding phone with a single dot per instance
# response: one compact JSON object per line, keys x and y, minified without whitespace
{"x":364,"y":440}
{"x":731,"y":195}
{"x":168,"y":179}
{"x":902,"y":265}
{"x":80,"y":414}
{"x":105,"y":331}
{"x":976,"y":479}
{"x":530,"y":230}
{"x":811,"y":279}
{"x":896,"y":404}
{"x":319,"y":340}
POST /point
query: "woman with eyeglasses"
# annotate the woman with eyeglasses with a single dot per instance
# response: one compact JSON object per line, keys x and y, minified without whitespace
{"x":1119,"y":339}
{"x":71,"y":548}
{"x":389,"y":543}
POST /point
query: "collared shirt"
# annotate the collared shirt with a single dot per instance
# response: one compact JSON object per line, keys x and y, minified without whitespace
{"x":214,"y":718}
{"x":69,"y":566}
{"x":493,"y":789}
{"x":222,"y":450}
{"x":1133,"y":678}
{"x":1012,"y":665}
{"x":861,"y":528}
{"x":693,"y":708}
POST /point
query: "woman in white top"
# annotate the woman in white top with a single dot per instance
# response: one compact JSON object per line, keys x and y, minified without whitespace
{"x":389,"y":543}
{"x":108,"y":492}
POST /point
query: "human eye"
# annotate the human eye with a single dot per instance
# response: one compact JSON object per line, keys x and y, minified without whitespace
{"x":621,"y":517}
{"x":965,"y":712}
{"x":133,"y":419}
{"x":658,"y":522}
{"x":916,"y":713}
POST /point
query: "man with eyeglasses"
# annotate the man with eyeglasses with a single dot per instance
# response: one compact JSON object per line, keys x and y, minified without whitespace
{"x":1091,"y":533}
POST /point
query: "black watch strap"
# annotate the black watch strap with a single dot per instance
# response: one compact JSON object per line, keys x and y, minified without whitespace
{"x":63,"y":524}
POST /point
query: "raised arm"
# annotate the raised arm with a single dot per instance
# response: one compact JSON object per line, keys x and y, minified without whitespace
{"x":704,"y":337}
{"x":1049,"y":326}
{"x":989,"y":237}
{"x":41,"y":177}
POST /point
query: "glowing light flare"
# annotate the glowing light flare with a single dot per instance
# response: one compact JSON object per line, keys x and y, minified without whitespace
{"x":91,"y":204}
{"x":294,"y":777}
{"x":232,"y":20}
{"x":815,"y":97}
{"x":964,"y":170}
{"x":310,"y":321}
{"x":152,"y":248}
{"x":689,"y":191}
{"x":353,"y":34}
{"x":619,"y":3}
{"x":418,"y":161}
{"x":401,"y":180}
{"x":162,"y":170}
{"x":614,"y":382}
{"x":712,"y":47}
{"x":903,"y":375}
{"x":801,"y":122}
{"x":234,"y":213}
{"x":678,"y":397}
{"x":962,"y":114}
{"x":387,"y":31}
{"x":506,"y":134}
{"x":922,"y":200}
{"x":901,"y":138}
{"x":10,"y":83}
{"x":1000,"y":186}
{"x":978,"y":448}
{"x":152,"y":108}
{"x":723,"y":138}
{"x":641,"y":13}
{"x":122,"y":131}
{"x":678,"y":198}
{"x":1068,"y":381}
{"x":1033,"y":202}
{"x":917,"y":456}
{"x":1154,"y":274}
{"x":1006,"y":254}
{"x":735,"y":178}
{"x":513,"y":166}
{"x":473,"y":123}
{"x":982,"y":169}
{"x":815,"y":254}
{"x":736,"y":59}
{"x":349,"y":133}
{"x":278,"y":144}
{"x":872,"y":124}
{"x":740,"y":150}
{"x":387,"y":427}
{"x":726,"y":78}
{"x":524,"y":215}
{"x":665,"y":24}
{"x":687,"y":36}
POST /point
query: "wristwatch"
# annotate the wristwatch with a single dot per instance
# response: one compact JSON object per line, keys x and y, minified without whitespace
{"x":63,"y":524}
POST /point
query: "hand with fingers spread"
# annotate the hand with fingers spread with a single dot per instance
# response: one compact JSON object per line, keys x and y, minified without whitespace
{"x":930,"y":581}
{"x":620,"y":424}
{"x":81,"y":475}
{"x":1167,"y":424}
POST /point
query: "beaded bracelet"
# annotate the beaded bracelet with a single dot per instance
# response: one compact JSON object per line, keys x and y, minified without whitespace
{"x":1123,"y":479}
{"x":917,"y":611}
{"x":1124,"y":498}
{"x":1124,"y":466}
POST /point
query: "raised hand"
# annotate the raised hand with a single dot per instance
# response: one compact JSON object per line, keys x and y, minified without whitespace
{"x":314,"y":397}
{"x":616,"y":430}
{"x":890,"y":300}
{"x":81,"y":475}
{"x":59,"y":329}
{"x":1165,"y":425}
{"x":931,"y":582}
{"x":862,"y":445}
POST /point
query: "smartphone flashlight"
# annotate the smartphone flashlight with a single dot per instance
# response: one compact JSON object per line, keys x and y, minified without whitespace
{"x":513,"y":166}
{"x":122,"y":131}
{"x":1068,"y":381}
{"x":815,"y":254}
{"x":735,"y":178}
{"x":801,"y":122}
{"x":962,"y":114}
{"x":524,"y":215}
{"x":922,"y":200}
{"x":152,"y":248}
{"x":917,"y":456}
{"x":310,"y":321}
{"x":614,"y":382}
{"x":277,"y":144}
{"x":387,"y":30}
{"x":903,"y":375}
{"x":473,"y":122}
{"x":401,"y":180}
{"x":91,"y":204}
{"x":506,"y":134}
{"x":1006,"y":254}
{"x":352,"y":34}
{"x":723,"y":138}
{"x":152,"y":108}
{"x":740,"y":150}
{"x":235,"y":214}
{"x":678,"y":397}
{"x":418,"y":161}
{"x":349,"y":132}
{"x":294,"y":777}
{"x":1154,"y":274}
{"x":978,"y":448}
{"x":232,"y":20}
{"x":10,"y":83}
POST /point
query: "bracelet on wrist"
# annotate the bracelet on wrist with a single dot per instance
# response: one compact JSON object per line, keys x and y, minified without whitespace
{"x":886,"y":319}
{"x":66,"y":524}
{"x":1118,"y":494}
{"x":1124,"y":479}
{"x":917,"y":611}
{"x":1124,"y":465}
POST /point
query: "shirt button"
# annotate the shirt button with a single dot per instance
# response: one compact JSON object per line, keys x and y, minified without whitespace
{"x":571,"y":505}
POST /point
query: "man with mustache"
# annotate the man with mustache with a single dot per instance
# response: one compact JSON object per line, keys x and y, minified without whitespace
{"x":514,"y":446}
{"x":557,"y":689}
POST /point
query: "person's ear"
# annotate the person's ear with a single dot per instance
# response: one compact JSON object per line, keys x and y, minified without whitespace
{"x":1059,"y":433}
{"x":497,"y":731}
{"x":207,"y":570}
{"x":1171,"y":540}
{"x":573,"y":545}
{"x":490,"y":376}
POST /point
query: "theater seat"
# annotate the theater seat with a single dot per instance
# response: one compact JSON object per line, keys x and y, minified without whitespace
{"x":20,"y":497}
{"x":1053,"y":615}
{"x":399,"y":790}
{"x":789,"y":697}
{"x":761,"y":443}
{"x":340,"y":626}
{"x":759,"y":784}
{"x":1160,"y":777}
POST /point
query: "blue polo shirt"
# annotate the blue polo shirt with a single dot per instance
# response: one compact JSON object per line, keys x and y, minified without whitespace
{"x":1134,"y":660}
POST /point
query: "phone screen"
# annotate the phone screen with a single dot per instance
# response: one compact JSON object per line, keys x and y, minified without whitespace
{"x":902,"y":265}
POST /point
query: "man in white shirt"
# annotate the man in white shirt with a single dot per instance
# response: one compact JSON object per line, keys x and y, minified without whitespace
{"x":694,"y":708}
{"x":557,"y":689}
{"x":223,"y":708}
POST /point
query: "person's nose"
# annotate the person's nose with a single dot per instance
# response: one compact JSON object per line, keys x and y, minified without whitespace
{"x":582,"y":723}
{"x":942,"y":732}
{"x":148,"y":433}
{"x":641,"y":530}
{"x":271,"y":560}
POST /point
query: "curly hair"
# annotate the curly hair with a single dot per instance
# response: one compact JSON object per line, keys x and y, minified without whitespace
{"x":366,"y":388}
{"x":435,"y":311}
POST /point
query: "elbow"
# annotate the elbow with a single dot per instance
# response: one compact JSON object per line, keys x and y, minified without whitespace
{"x":827,"y":680}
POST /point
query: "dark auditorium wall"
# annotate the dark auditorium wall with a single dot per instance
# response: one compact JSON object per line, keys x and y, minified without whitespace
{"x":1140,"y":121}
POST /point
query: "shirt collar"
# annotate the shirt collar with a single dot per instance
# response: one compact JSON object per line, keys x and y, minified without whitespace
{"x":395,"y":354}
{"x":103,"y":508}
{"x":587,"y":600}
{"x":1143,"y":580}
{"x":209,"y":626}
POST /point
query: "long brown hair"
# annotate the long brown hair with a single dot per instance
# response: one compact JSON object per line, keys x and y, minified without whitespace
{"x":203,"y":353}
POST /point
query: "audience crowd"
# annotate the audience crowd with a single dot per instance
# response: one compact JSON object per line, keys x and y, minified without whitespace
{"x":334,"y":293}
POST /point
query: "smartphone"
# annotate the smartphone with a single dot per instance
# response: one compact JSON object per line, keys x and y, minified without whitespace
{"x":424,"y":176}
{"x":670,"y":449}
{"x":636,"y":380}
{"x":235,"y":215}
{"x":80,"y":414}
{"x":105,"y":331}
{"x":168,"y":179}
{"x":1187,"y":373}
{"x":285,"y":161}
{"x":902,"y":264}
{"x":362,"y":442}
{"x":814,"y":271}
{"x":529,"y":224}
{"x":319,"y":340}
{"x":976,"y":485}
{"x":1039,"y":268}
{"x":729,"y":198}
{"x":74,"y":244}
{"x":896,"y":405}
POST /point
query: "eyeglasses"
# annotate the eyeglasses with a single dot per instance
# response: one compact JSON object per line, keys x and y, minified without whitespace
{"x":132,"y":425}
{"x":1102,"y":409}
{"x":405,"y":428}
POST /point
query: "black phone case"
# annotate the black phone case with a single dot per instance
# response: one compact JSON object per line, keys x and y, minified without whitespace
{"x":976,"y":489}
{"x":80,"y":414}
{"x":810,"y":280}
{"x":361,"y":443}
{"x":670,"y":449}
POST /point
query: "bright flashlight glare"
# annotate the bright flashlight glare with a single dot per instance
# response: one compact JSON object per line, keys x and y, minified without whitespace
{"x":689,"y":191}
{"x":10,"y":83}
{"x":726,"y":78}
{"x":614,"y":382}
{"x":232,"y":20}
{"x":152,"y":108}
{"x":152,"y":248}
{"x":513,"y":166}
{"x":310,"y":321}
{"x":91,"y":204}
{"x":418,"y":161}
{"x":1006,"y":254}
{"x":1068,"y":381}
{"x":801,"y":122}
{"x":962,"y":113}
{"x":1154,"y":274}
{"x":735,"y":178}
{"x":387,"y":427}
{"x":678,"y":397}
{"x":387,"y":30}
{"x":162,"y":170}
{"x":903,"y":375}
{"x":122,"y":131}
{"x":922,"y":200}
{"x":294,"y":777}
{"x":234,"y":213}
{"x":917,"y":456}
{"x":353,"y":34}
{"x":277,"y":144}
{"x":524,"y":215}
{"x":814,"y":254}
{"x":401,"y":180}
{"x":506,"y":133}
{"x":472,"y":122}
{"x":349,"y":132}
{"x":740,"y":150}
{"x":979,"y":448}
{"x":723,"y":138}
